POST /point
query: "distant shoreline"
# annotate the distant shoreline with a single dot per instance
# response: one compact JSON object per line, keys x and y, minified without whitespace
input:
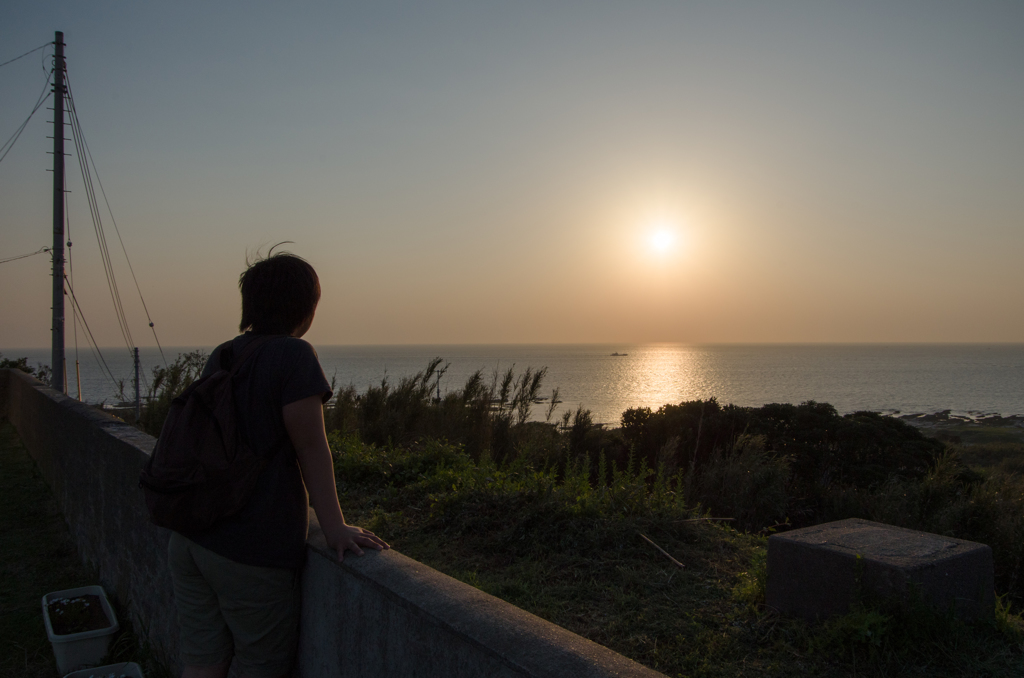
{"x":916,"y":383}
{"x":968,"y":430}
{"x":946,"y":416}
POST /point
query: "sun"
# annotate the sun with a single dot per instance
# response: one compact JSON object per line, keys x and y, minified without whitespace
{"x":662,"y":239}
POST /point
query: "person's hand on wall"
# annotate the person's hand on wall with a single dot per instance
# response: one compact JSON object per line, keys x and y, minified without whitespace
{"x":353,"y":538}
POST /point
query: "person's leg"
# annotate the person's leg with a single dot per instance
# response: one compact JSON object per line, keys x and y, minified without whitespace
{"x":215,"y":671}
{"x":260,"y":606}
{"x":206,"y":643}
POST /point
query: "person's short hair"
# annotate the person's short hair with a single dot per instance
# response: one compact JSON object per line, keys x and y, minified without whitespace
{"x":279,"y":293}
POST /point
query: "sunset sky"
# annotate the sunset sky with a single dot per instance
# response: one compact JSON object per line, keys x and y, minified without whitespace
{"x":506,"y":172}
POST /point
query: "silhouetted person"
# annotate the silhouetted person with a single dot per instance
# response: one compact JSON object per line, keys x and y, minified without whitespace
{"x":237,"y":584}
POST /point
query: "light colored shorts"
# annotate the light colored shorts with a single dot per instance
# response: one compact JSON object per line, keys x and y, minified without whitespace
{"x":227,"y":609}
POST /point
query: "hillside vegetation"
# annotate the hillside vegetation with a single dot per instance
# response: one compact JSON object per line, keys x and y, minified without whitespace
{"x":650,"y":537}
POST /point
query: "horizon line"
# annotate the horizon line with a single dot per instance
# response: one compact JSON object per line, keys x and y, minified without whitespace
{"x":582,"y":343}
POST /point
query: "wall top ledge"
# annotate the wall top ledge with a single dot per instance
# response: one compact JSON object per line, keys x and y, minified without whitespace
{"x":106,"y":422}
{"x":524,"y":642}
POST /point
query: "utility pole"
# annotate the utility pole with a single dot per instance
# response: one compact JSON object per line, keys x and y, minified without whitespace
{"x":138,"y":396}
{"x":57,"y":343}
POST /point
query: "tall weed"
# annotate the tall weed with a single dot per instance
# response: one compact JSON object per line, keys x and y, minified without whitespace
{"x":778,"y":464}
{"x":747,"y":483}
{"x":166,"y":385}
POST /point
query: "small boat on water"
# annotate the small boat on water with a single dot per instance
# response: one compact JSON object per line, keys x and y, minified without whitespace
{"x":619,"y":354}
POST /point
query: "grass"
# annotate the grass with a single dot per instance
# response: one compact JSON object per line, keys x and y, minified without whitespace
{"x":37,"y":556}
{"x":1007,"y":457}
{"x":974,"y":434}
{"x":559,"y":543}
{"x":571,"y":522}
{"x":971,"y":433}
{"x":571,"y":551}
{"x":565,"y":522}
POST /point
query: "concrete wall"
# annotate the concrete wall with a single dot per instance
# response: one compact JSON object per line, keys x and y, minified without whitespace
{"x":380,"y":615}
{"x":91,"y":462}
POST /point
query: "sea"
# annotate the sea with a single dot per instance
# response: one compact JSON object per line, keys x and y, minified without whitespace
{"x":970,"y":380}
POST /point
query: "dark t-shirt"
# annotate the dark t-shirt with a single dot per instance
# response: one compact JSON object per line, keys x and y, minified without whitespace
{"x":271,"y":528}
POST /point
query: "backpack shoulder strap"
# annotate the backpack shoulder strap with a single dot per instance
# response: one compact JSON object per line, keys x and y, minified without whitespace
{"x":250,"y":349}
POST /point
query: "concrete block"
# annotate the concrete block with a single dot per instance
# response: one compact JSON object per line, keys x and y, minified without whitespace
{"x":817,"y":572}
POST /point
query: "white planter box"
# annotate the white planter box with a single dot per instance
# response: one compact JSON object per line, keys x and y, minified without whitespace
{"x":76,"y":650}
{"x":126,"y":669}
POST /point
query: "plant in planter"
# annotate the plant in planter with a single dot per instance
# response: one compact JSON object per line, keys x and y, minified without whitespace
{"x":80,"y":624}
{"x":77,"y":615}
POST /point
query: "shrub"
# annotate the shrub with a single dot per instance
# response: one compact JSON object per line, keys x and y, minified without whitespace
{"x":41,"y":372}
{"x":476,"y":453}
{"x":954,"y":501}
{"x":747,"y":483}
{"x":343,"y":413}
{"x":826,"y":453}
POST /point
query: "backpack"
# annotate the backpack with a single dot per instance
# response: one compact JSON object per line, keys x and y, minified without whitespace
{"x":202,"y":468}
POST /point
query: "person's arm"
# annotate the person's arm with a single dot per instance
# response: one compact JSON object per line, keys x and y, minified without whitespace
{"x":304,"y":420}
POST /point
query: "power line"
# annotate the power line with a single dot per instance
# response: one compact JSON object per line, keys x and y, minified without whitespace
{"x":101,"y":237}
{"x":97,"y":354}
{"x":71,"y":281}
{"x":42,"y":57}
{"x":9,"y":144}
{"x":87,"y":165}
{"x":79,"y":316}
{"x":43,"y":46}
{"x":88,"y":153}
{"x":85,"y":160}
{"x":41,"y":250}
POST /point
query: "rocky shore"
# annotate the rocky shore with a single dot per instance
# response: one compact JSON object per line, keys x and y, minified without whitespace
{"x":968,"y":428}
